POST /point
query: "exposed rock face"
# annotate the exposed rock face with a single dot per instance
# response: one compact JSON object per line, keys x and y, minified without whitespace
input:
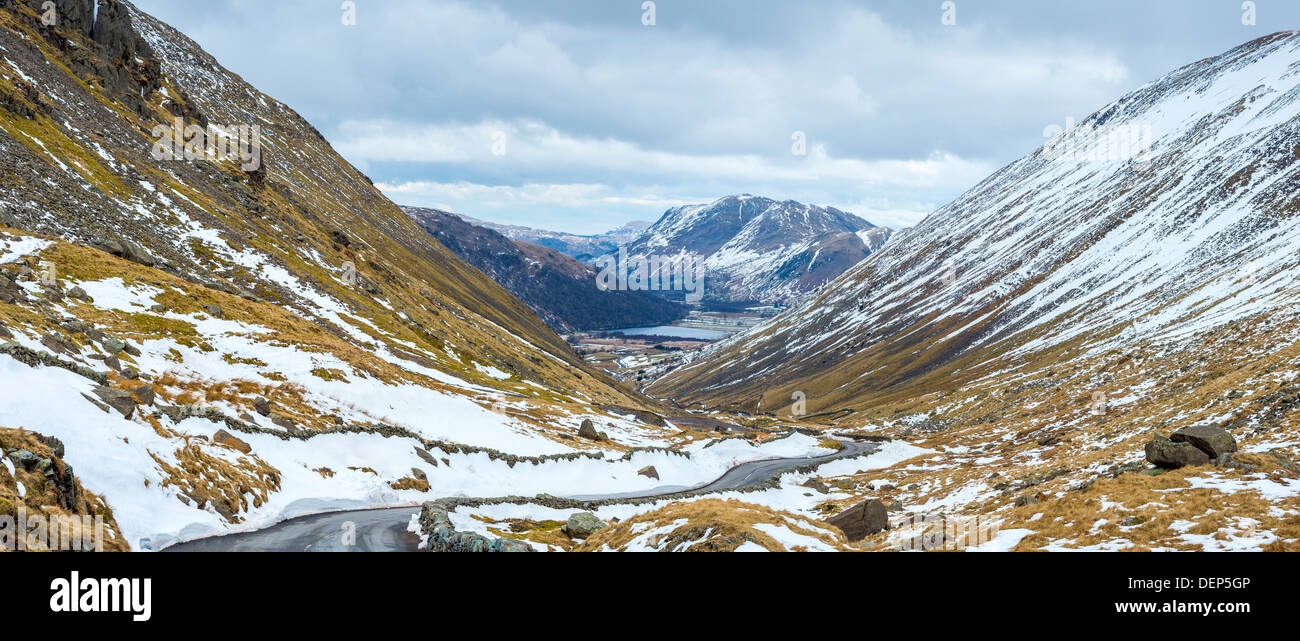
{"x":77,"y":15}
{"x":862,"y":520}
{"x":649,"y":472}
{"x":1214,"y":441}
{"x":1169,"y":455}
{"x":582,"y":525}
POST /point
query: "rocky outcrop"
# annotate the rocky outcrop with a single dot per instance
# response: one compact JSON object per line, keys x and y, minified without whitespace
{"x":649,"y":471}
{"x":862,"y":520}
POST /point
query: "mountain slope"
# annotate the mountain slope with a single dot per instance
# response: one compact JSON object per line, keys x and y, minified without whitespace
{"x":758,"y":249}
{"x":1037,"y":331}
{"x":222,"y":342}
{"x":583,"y":248}
{"x":560,"y":289}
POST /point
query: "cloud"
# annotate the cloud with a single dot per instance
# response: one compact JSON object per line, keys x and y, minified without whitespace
{"x":896,"y":107}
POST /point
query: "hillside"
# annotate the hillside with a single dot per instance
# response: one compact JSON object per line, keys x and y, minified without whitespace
{"x":762,"y":250}
{"x":225,"y":339}
{"x":1038,"y":331}
{"x":561,"y":290}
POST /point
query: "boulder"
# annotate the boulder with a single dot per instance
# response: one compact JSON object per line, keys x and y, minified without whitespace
{"x":816,"y":484}
{"x":79,"y":294}
{"x":418,"y":474}
{"x":1214,"y":441}
{"x":649,"y":471}
{"x":214,"y":311}
{"x":862,"y":520}
{"x":1169,"y":455}
{"x":117,"y":399}
{"x":229,"y":440}
{"x":582,"y":525}
{"x":144,"y":394}
{"x":588,"y":430}
{"x":113,"y":345}
{"x":262,"y":406}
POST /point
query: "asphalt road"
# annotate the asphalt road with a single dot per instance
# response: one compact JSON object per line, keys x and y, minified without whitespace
{"x":384,"y":530}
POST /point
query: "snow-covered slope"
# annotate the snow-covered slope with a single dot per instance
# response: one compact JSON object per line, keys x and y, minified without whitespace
{"x":1065,"y":244}
{"x":1037,"y":334}
{"x":220,"y":346}
{"x":758,"y":249}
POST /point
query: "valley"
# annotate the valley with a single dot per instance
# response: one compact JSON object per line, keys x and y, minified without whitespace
{"x":1080,"y":352}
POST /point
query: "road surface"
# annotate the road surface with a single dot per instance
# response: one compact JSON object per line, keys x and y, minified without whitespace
{"x":384,"y":530}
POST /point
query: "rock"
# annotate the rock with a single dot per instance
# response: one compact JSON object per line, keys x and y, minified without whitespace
{"x":816,"y":484}
{"x":862,"y":520}
{"x":1132,"y":520}
{"x":79,"y":294}
{"x":113,"y":363}
{"x":588,"y":430}
{"x":229,"y":440}
{"x":1169,"y":455}
{"x":262,"y":406}
{"x":426,"y":456}
{"x":1025,"y":499}
{"x":1050,"y":440}
{"x":214,"y":311}
{"x":649,"y":471}
{"x":113,"y":345}
{"x":116,"y":399}
{"x":896,"y":506}
{"x":1214,"y":441}
{"x":58,"y":344}
{"x":582,"y":525}
{"x":56,"y":446}
{"x":144,"y":394}
{"x":419,"y":474}
{"x":284,"y":421}
{"x":5,"y":333}
{"x":131,"y":349}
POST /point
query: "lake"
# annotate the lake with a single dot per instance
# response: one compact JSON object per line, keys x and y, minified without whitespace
{"x":675,"y":332}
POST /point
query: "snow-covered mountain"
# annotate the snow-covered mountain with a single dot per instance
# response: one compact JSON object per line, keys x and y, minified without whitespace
{"x":1039,"y":332}
{"x":763,"y":250}
{"x":1066,"y":244}
{"x":583,"y":248}
{"x":560,"y":289}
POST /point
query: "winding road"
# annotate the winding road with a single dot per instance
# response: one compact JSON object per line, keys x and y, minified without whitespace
{"x":384,"y":530}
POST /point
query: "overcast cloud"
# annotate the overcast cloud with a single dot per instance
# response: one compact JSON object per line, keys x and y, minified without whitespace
{"x":574,"y":115}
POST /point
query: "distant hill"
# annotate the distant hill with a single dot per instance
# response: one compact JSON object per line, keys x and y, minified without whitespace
{"x":583,"y":248}
{"x":560,"y":289}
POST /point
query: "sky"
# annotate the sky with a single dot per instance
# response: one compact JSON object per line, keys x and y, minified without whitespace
{"x":582,"y":115}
